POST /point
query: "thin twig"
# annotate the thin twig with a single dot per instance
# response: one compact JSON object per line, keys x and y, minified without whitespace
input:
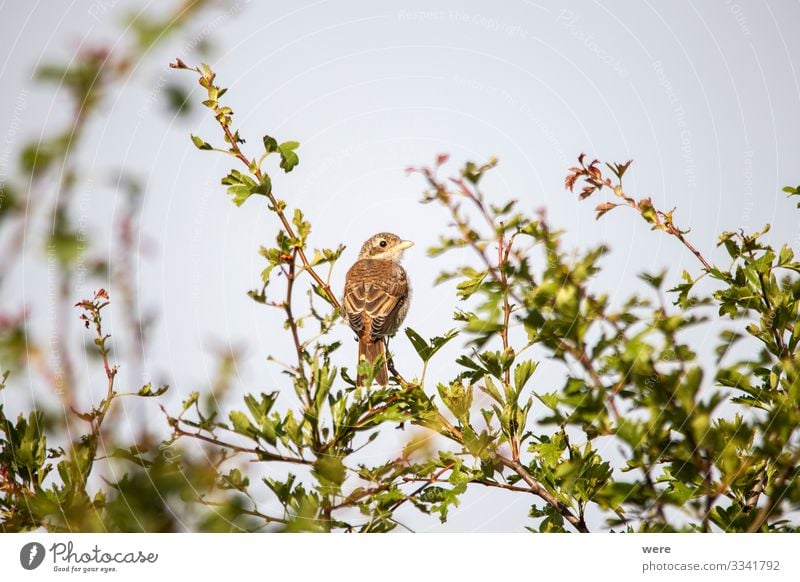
{"x":260,"y":453}
{"x":256,"y":172}
{"x":594,"y":181}
{"x":92,"y":317}
{"x":538,"y":489}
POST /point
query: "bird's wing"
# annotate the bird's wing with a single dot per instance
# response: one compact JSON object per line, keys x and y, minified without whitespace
{"x":374,"y":299}
{"x":353,"y":306}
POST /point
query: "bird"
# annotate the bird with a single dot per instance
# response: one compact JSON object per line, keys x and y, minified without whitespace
{"x":376,"y":298}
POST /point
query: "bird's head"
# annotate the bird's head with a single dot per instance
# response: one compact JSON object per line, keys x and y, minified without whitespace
{"x":385,"y":246}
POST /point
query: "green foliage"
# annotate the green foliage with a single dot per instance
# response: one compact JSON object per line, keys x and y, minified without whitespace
{"x":241,"y":186}
{"x":288,"y":155}
{"x":793,"y":191}
{"x":628,"y":376}
{"x":63,"y":463}
{"x":427,"y":349}
{"x":32,"y":495}
{"x":705,"y":446}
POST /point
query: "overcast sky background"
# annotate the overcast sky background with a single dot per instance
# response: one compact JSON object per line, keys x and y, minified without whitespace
{"x":704,"y":96}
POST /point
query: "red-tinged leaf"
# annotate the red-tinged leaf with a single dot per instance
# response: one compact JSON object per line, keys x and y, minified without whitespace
{"x":87,"y":416}
{"x":601,"y":209}
{"x":442,"y":158}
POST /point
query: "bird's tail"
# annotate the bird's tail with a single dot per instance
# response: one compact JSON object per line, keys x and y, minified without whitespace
{"x":370,"y":351}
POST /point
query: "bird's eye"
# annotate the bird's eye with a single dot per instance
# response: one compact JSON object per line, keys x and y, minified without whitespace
{"x":383,"y":244}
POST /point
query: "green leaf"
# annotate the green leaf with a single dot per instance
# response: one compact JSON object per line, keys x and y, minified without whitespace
{"x":330,"y":470}
{"x":200,"y":144}
{"x":786,"y":255}
{"x":302,"y":227}
{"x":260,"y":408}
{"x":427,"y":350}
{"x":654,"y":280}
{"x":265,"y":186}
{"x":147,"y":390}
{"x":319,"y":291}
{"x":234,"y":480}
{"x":240,"y":194}
{"x":473,"y":172}
{"x":326,"y":255}
{"x":473,"y":282}
{"x":490,"y":389}
{"x":793,"y":191}
{"x":289,"y":157}
{"x":522,"y":374}
{"x":270,"y":144}
{"x":241,"y":423}
{"x":240,"y":186}
{"x":189,"y":402}
{"x":458,"y":399}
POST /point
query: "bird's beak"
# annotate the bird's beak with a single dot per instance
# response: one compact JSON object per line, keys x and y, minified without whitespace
{"x":405,"y":244}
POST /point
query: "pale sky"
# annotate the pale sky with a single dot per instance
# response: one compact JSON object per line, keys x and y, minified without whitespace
{"x":704,"y":96}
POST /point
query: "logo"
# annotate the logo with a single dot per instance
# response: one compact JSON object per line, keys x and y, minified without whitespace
{"x":31,"y":555}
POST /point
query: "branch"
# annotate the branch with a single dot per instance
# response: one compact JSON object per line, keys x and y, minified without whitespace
{"x":538,"y":489}
{"x":421,"y":488}
{"x":470,"y":237}
{"x":534,"y":487}
{"x":251,"y":512}
{"x":586,"y":363}
{"x":232,"y":137}
{"x":486,"y":482}
{"x":92,"y":317}
{"x":260,"y":453}
{"x":594,"y":181}
{"x":773,"y":500}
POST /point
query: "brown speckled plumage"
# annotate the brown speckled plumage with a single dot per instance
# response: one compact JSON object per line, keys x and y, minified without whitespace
{"x":376,"y":297}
